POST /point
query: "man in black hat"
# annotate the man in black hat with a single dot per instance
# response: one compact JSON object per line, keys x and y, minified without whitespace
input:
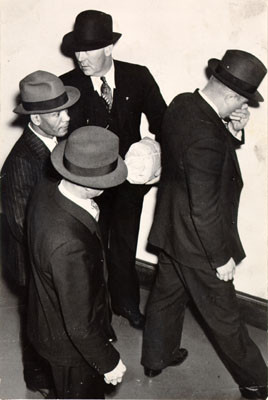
{"x":114,"y":95}
{"x":68,"y":291}
{"x":195,"y":224}
{"x":45,"y":100}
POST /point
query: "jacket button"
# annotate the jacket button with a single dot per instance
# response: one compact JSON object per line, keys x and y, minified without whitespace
{"x":233,"y":178}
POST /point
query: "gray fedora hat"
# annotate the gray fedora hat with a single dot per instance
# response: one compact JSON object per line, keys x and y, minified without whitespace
{"x":89,"y":157}
{"x":42,"y":92}
{"x":92,"y":30}
{"x":240,"y":71}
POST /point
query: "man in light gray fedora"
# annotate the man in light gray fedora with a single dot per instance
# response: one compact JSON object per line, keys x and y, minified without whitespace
{"x":45,"y":100}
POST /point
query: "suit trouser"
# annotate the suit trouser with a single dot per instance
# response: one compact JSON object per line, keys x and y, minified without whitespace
{"x":80,"y":382}
{"x":120,"y":212}
{"x":217,"y":303}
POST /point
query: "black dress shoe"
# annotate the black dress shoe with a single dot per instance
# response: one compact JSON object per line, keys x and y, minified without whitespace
{"x":254,"y":392}
{"x":180,"y":357}
{"x":135,"y":318}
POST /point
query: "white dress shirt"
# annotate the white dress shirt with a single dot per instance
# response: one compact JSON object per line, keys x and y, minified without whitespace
{"x":87,"y":204}
{"x":97,"y":82}
{"x":51,"y":143}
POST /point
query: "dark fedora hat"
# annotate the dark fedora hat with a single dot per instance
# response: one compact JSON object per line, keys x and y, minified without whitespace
{"x":92,"y":30}
{"x":240,"y":71}
{"x":42,"y":92}
{"x":89,"y":157}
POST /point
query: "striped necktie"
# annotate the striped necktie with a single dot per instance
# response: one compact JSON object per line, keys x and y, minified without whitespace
{"x":106,"y":93}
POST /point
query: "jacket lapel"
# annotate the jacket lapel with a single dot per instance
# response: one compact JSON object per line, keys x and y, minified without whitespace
{"x":36,"y":146}
{"x":77,"y":212}
{"x":121,"y":95}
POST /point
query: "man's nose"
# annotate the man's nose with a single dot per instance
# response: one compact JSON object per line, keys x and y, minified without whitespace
{"x":79,"y":55}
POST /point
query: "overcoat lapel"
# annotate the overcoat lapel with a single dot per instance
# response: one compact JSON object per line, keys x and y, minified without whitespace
{"x":77,"y":212}
{"x":121,"y":93}
{"x":36,"y":146}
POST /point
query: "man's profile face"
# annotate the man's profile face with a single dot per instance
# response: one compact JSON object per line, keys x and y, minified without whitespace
{"x":92,"y":62}
{"x":55,"y":123}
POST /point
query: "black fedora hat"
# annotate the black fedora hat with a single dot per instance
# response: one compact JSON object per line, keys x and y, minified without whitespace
{"x":42,"y":92}
{"x":92,"y":30}
{"x":240,"y":71}
{"x":89,"y":157}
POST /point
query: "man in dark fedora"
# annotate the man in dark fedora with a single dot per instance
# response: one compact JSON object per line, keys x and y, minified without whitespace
{"x":195,"y":223}
{"x":68,"y":291}
{"x":114,"y":94}
{"x":45,"y":100}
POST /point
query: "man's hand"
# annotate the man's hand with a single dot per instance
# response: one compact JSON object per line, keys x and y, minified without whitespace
{"x":115,"y":376}
{"x":239,"y":119}
{"x":226,"y":272}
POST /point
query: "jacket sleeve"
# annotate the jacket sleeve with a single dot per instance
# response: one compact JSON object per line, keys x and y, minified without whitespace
{"x":18,"y":181}
{"x":77,"y":285}
{"x":203,"y":167}
{"x":154,"y":105}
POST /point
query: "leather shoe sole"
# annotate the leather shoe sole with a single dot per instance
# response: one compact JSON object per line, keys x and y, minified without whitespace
{"x":183,"y":354}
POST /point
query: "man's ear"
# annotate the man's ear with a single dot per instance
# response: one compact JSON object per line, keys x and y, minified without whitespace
{"x":35,"y":118}
{"x":108,"y":50}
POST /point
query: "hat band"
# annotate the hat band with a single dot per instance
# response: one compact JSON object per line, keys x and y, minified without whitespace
{"x":242,"y":85}
{"x":89,"y":172}
{"x":46,"y":104}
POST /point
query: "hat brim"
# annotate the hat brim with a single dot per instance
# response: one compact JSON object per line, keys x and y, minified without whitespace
{"x":114,"y":178}
{"x":213,"y":64}
{"x":69,"y":45}
{"x":73,"y":95}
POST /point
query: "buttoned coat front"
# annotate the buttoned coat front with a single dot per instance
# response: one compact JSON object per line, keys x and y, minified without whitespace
{"x":69,"y":315}
{"x":196,"y":214}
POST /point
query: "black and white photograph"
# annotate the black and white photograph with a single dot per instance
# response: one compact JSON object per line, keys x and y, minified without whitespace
{"x":133,"y":179}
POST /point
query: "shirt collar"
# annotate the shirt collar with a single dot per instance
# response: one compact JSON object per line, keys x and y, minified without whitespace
{"x":49,"y":142}
{"x":87,"y":204}
{"x":110,"y":78}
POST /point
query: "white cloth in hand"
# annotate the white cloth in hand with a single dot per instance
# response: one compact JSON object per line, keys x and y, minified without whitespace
{"x":115,"y":376}
{"x":143,"y":161}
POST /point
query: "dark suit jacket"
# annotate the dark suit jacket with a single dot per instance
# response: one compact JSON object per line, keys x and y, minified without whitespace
{"x":196,"y":214}
{"x":27,"y":163}
{"x":136,"y":93}
{"x":68,"y":303}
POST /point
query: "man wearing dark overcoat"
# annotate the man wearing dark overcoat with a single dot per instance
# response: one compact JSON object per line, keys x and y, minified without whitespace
{"x":45,"y":100}
{"x":195,"y":224}
{"x":69,"y":314}
{"x":114,"y":95}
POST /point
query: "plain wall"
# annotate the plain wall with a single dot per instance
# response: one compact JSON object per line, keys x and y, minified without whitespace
{"x":174,"y":38}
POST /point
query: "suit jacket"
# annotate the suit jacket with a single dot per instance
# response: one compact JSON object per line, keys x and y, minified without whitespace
{"x":136,"y":93}
{"x":27,"y":163}
{"x":196,"y":213}
{"x":69,"y":316}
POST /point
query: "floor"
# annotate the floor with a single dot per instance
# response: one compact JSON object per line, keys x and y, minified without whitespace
{"x":202,"y":376}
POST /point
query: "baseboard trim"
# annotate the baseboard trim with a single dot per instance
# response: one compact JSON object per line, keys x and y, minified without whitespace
{"x":253,"y":309}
